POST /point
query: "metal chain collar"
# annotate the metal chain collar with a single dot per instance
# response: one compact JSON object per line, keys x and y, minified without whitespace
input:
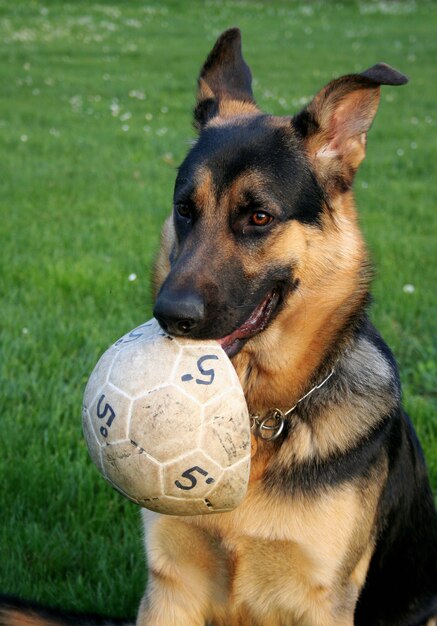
{"x":271,"y":426}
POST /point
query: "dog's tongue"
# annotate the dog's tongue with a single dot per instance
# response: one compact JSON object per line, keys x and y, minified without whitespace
{"x":253,"y":325}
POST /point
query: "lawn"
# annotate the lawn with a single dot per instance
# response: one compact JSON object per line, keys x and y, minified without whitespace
{"x":95,"y":115}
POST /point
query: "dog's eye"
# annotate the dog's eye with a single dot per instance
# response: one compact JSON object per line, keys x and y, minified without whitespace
{"x":184,"y":211}
{"x":260,"y":218}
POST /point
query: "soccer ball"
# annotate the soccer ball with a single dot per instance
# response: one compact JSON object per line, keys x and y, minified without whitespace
{"x":167,"y":424}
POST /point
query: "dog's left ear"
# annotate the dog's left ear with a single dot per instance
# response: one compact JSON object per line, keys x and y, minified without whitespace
{"x":225,"y":81}
{"x":334,"y":125}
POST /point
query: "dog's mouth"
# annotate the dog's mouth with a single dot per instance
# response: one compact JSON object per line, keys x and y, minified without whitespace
{"x":257,"y":322}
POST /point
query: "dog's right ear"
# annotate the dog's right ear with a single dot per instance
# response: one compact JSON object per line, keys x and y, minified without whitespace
{"x":225,"y":82}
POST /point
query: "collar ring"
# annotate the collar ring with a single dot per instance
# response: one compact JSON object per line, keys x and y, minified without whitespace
{"x":270,"y":427}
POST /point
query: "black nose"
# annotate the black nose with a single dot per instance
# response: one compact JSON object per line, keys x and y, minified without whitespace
{"x":179,"y":313}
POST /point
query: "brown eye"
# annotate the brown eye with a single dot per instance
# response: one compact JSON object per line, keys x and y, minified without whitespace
{"x":259,"y":218}
{"x":184,"y":211}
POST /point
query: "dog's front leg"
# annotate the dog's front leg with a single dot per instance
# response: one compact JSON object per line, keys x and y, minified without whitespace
{"x":188,"y":573}
{"x":164,"y":604}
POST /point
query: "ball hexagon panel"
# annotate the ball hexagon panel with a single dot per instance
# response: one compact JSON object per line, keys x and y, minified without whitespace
{"x":145,"y":332}
{"x":191,"y":476}
{"x":223,"y":434}
{"x":109,"y":414}
{"x":166,"y":423}
{"x":140,"y":367}
{"x":202,"y":371}
{"x":230,"y":487}
{"x":129,"y":469}
{"x":99,"y":376}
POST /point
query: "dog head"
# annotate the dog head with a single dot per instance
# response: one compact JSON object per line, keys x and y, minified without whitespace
{"x":263,"y":224}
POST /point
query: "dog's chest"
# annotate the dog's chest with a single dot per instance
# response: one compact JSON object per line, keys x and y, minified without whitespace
{"x":292,"y":556}
{"x":316,"y":531}
{"x":277,"y":554}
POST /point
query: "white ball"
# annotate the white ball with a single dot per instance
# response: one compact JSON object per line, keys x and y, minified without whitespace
{"x":167,"y":424}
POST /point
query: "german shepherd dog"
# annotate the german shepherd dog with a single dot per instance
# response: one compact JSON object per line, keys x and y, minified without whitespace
{"x":263,"y":252}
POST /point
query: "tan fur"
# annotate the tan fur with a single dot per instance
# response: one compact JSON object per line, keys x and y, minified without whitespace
{"x":162,"y":262}
{"x":232,"y":108}
{"x":227,"y":107}
{"x":186,"y":574}
{"x":306,"y":576}
{"x":204,"y":195}
{"x":12,"y":617}
{"x":204,"y":91}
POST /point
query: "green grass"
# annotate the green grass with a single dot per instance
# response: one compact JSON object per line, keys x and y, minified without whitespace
{"x":94,"y":116}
